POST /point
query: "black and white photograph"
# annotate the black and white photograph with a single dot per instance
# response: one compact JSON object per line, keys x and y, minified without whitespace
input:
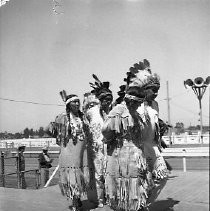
{"x":104,"y":105}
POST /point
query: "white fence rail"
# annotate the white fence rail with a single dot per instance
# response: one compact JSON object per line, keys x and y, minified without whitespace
{"x":175,"y":153}
{"x":51,"y":142}
{"x":186,"y":152}
{"x":13,"y":143}
{"x":187,"y":139}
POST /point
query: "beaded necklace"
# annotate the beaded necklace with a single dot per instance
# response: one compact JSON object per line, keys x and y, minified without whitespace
{"x":76,"y":126}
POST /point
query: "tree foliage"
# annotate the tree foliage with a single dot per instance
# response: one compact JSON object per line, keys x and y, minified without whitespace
{"x":27,"y":133}
{"x":179,"y":128}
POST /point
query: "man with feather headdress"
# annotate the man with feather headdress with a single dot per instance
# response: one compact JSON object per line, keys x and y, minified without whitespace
{"x":96,"y":106}
{"x":128,"y":180}
{"x":104,"y":94}
{"x":132,"y":134}
{"x":152,"y":133}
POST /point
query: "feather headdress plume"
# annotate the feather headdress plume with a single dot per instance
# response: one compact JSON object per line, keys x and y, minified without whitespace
{"x":63,"y":95}
{"x":153,"y":81}
{"x":121,"y":94}
{"x":138,"y":74}
{"x":100,"y":89}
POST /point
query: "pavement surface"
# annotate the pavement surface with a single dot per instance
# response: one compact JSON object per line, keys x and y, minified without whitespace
{"x":184,"y":191}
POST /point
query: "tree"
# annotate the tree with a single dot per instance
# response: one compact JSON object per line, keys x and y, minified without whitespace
{"x":18,"y":136}
{"x":26,"y":133}
{"x":31,"y":132}
{"x":41,"y":132}
{"x":198,"y":127}
{"x":179,"y":127}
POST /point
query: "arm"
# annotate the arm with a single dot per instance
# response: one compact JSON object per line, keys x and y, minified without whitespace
{"x":113,"y":125}
{"x":42,"y":160}
{"x":107,"y":131}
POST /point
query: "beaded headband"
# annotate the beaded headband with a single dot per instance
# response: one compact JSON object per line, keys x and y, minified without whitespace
{"x":132,"y":97}
{"x":71,"y":99}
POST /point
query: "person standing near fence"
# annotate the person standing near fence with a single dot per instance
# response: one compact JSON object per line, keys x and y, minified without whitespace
{"x":44,"y":165}
{"x":69,"y":131}
{"x":21,"y":165}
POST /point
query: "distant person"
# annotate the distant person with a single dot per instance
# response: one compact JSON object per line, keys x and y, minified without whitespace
{"x":21,"y":165}
{"x":45,"y":165}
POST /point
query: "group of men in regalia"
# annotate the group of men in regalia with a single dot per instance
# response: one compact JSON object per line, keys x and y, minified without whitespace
{"x":110,"y":150}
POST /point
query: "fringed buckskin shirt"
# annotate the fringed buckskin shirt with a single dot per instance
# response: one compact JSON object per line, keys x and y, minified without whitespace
{"x":73,"y":169}
{"x":128,"y":180}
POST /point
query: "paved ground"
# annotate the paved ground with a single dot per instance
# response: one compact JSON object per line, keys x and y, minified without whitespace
{"x":187,"y":191}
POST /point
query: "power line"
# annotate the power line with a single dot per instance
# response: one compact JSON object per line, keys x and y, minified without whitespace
{"x":187,"y":109}
{"x":29,"y":102}
{"x":176,"y":95}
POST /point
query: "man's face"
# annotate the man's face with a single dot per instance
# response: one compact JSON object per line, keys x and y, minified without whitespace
{"x":74,"y":105}
{"x":45,"y":151}
{"x":133,"y":105}
{"x":92,"y":104}
{"x":151,"y":93}
{"x":106,"y":101}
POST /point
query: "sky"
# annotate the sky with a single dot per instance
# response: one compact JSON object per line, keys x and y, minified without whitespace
{"x":44,"y":51}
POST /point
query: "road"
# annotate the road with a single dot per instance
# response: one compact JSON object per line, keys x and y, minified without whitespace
{"x":184,"y":191}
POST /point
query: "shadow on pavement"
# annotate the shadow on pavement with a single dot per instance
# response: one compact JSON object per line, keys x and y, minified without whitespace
{"x":87,"y":205}
{"x":163,"y":205}
{"x":171,"y":177}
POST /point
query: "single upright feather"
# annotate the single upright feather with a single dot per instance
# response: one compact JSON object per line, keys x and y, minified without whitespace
{"x":146,"y":63}
{"x":97,"y":81}
{"x":63,"y":95}
{"x":141,"y":66}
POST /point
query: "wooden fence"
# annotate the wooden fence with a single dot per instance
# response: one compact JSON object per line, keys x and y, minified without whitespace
{"x":17,"y":171}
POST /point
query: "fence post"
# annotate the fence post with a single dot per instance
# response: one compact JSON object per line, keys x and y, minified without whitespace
{"x":173,"y":137}
{"x":185,"y":137}
{"x":30,"y":145}
{"x":13,"y":145}
{"x":184,"y":161}
{"x":18,"y":171}
{"x":37,"y":175}
{"x":2,"y":169}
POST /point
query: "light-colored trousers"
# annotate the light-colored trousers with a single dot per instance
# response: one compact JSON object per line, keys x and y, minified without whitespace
{"x":44,"y":176}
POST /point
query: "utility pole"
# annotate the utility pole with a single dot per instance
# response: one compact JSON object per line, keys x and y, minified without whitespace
{"x":209,"y":113}
{"x":168,"y":106}
{"x":168,"y":103}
